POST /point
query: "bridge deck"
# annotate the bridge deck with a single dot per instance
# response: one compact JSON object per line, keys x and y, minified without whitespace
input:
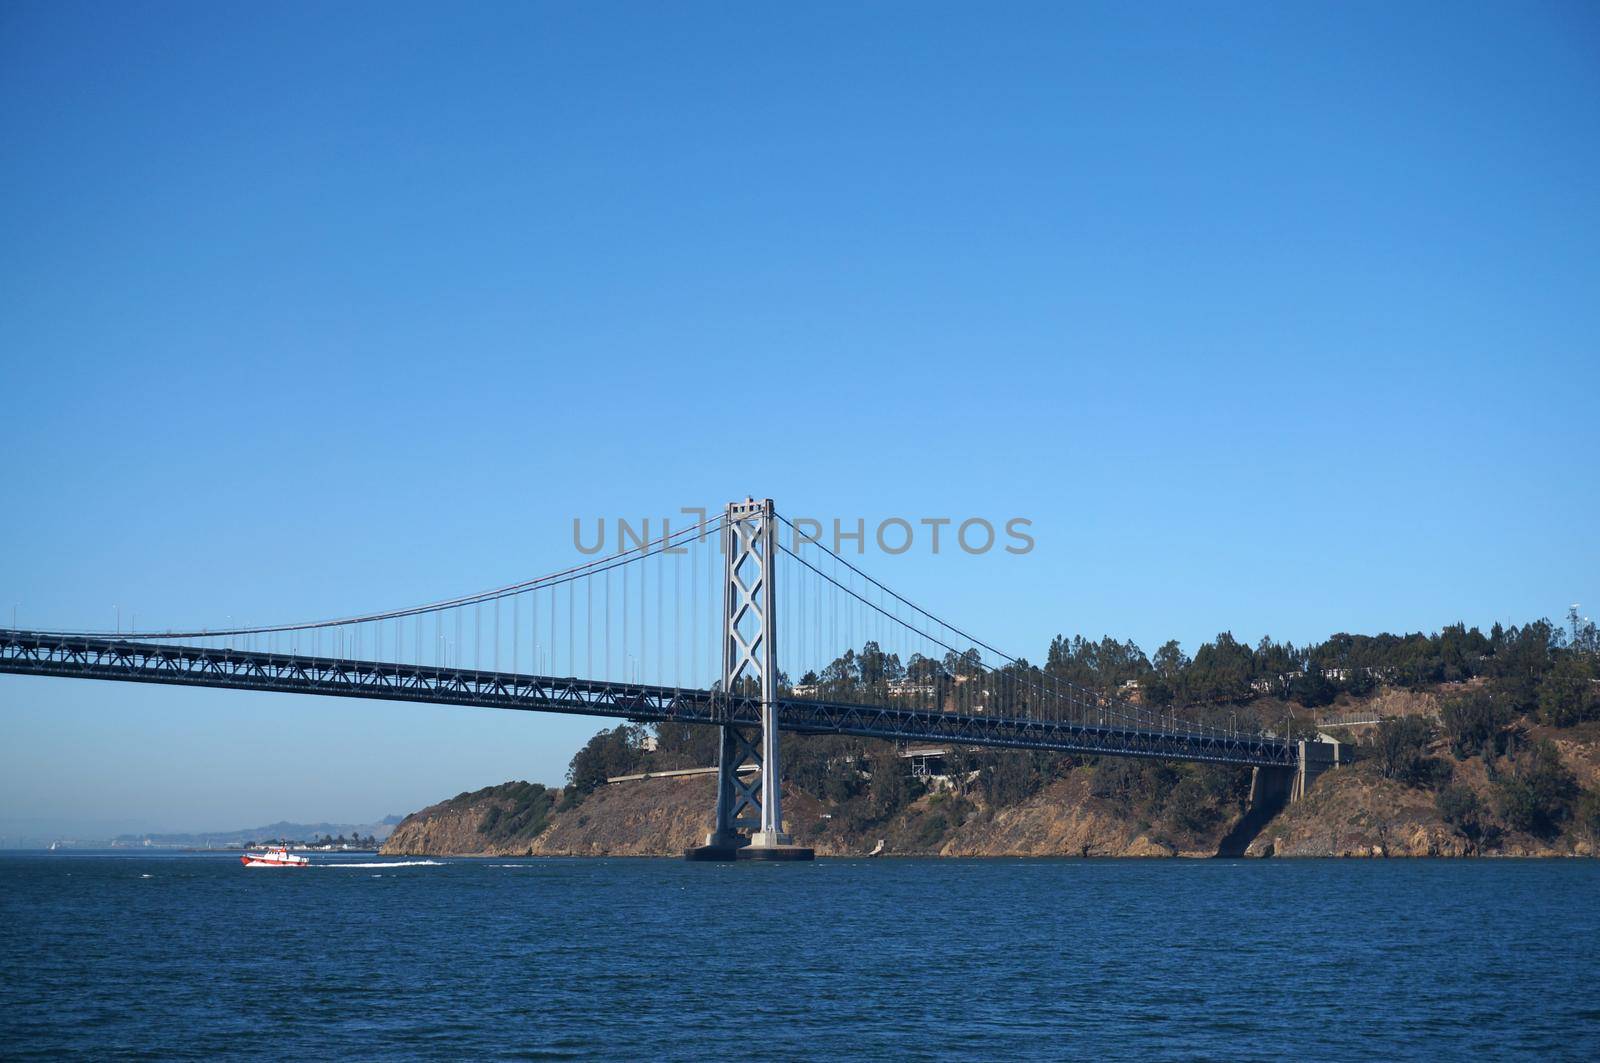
{"x":28,"y":653}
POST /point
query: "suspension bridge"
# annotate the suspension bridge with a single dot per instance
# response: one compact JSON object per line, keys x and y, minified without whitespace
{"x":684,"y":627}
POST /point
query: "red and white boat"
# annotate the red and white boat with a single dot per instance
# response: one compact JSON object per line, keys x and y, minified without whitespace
{"x":279,"y":857}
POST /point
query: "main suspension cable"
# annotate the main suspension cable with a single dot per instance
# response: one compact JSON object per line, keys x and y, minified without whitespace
{"x":671,"y":540}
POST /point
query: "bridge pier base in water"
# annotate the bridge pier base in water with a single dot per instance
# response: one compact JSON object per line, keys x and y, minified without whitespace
{"x":747,"y":851}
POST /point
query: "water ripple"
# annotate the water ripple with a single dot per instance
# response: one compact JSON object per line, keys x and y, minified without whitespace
{"x":904,"y":959}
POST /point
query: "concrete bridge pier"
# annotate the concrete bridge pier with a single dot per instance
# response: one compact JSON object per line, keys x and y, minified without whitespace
{"x":1279,"y":785}
{"x":1314,"y":758}
{"x":1270,"y":790}
{"x":1272,"y":787}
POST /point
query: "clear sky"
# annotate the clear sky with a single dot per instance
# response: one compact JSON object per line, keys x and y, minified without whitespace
{"x":1281,"y":319}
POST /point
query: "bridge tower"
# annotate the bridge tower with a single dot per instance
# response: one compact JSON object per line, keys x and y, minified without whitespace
{"x":746,"y":799}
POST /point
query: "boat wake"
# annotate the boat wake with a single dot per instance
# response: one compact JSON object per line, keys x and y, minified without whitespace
{"x":391,"y":863}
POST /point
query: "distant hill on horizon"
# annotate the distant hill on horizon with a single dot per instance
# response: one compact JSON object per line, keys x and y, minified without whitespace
{"x":281,"y":829}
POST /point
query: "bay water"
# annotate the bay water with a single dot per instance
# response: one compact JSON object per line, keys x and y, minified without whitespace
{"x":139,"y":954}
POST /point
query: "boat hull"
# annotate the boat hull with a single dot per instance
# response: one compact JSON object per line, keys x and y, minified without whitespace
{"x":251,"y":861}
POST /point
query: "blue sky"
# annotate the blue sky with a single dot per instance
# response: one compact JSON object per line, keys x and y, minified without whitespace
{"x":1272,"y":318}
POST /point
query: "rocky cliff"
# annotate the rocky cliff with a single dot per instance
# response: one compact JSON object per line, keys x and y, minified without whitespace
{"x":1351,"y":811}
{"x":1356,"y":811}
{"x":662,"y":817}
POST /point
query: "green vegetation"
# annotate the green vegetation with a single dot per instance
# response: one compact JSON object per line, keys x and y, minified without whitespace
{"x":1476,"y":723}
{"x":1569,"y":693}
{"x":619,"y":751}
{"x":1401,"y":747}
{"x":1586,"y":815}
{"x":1460,"y":808}
{"x":521,"y":812}
{"x":1009,"y":777}
{"x":1536,"y":667}
{"x":1183,"y":801}
{"x":1537,"y":794}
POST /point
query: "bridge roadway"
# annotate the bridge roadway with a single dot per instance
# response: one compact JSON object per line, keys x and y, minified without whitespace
{"x":98,"y":657}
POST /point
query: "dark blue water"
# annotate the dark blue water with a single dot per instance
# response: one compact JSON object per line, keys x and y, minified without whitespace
{"x":192,"y":955}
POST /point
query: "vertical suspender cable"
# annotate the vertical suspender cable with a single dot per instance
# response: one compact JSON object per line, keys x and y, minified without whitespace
{"x":694,"y":609}
{"x":677,"y":628}
{"x":661,"y":625}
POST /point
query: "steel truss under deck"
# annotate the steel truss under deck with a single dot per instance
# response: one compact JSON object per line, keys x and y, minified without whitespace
{"x":28,"y":653}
